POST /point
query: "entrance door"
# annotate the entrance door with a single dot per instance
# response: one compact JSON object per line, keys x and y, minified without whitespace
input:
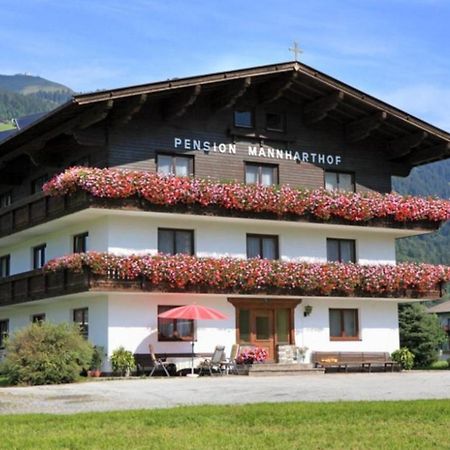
{"x":265,"y":324}
{"x":261,"y":323}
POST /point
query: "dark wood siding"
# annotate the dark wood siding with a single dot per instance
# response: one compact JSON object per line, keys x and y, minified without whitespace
{"x":135,"y":146}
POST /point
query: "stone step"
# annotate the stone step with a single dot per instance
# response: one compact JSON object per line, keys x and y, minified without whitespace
{"x":269,"y":369}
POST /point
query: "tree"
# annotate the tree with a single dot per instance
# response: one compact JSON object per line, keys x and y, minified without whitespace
{"x":46,"y":353}
{"x":420,"y":332}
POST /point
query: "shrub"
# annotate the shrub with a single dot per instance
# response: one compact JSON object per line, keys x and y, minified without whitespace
{"x":439,"y":365}
{"x":421,"y":333}
{"x":46,"y":353}
{"x":404,"y":357}
{"x":122,"y":361}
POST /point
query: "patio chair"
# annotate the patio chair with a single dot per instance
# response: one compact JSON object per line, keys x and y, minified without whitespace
{"x":229,"y":365}
{"x":215,"y":362}
{"x":158,"y":363}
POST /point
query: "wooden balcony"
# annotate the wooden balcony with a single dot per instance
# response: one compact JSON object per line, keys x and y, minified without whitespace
{"x":39,"y":209}
{"x":37,"y":285}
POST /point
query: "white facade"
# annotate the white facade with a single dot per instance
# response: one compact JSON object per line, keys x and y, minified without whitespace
{"x":128,"y":233}
{"x":130,"y":320}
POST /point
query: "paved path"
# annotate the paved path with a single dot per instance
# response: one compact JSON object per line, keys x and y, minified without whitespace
{"x":163,"y":392}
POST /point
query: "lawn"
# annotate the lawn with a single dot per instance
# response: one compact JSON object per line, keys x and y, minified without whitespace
{"x":356,"y":425}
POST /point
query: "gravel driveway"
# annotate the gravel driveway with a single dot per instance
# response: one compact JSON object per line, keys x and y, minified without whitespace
{"x":168,"y":392}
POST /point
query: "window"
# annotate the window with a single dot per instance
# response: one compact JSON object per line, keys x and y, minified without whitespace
{"x":5,"y":199}
{"x":275,"y":121}
{"x":81,"y":318}
{"x":344,"y":324}
{"x":4,"y":332}
{"x":38,"y":318}
{"x":341,"y":250}
{"x":172,"y":241}
{"x":264,"y":174}
{"x":180,"y":166}
{"x":339,"y":181}
{"x":243,"y":119}
{"x":5,"y":266}
{"x":37,"y":183}
{"x":174,"y":329}
{"x":80,"y":242}
{"x":39,"y":256}
{"x":262,"y":246}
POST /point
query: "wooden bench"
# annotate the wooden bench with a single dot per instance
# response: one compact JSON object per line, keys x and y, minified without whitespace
{"x":343,"y":360}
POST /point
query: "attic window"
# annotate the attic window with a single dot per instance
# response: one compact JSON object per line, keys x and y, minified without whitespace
{"x":243,"y":119}
{"x":275,"y":121}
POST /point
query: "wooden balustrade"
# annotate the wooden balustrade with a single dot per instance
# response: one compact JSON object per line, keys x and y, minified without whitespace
{"x":36,"y":285}
{"x":38,"y":209}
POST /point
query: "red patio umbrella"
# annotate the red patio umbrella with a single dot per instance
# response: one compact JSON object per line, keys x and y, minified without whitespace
{"x":193,"y":312}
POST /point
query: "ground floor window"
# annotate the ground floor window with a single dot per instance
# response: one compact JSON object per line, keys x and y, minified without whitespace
{"x":81,"y":318}
{"x":174,"y":329}
{"x":344,"y":324}
{"x":38,"y":318}
{"x":4,"y":332}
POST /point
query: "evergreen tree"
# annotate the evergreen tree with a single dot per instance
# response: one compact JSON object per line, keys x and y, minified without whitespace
{"x":420,"y":332}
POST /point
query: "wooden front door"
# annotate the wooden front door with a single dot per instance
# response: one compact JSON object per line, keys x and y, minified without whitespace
{"x":261,"y":330}
{"x":265,"y":323}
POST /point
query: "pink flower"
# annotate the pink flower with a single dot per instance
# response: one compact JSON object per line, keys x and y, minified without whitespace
{"x":205,"y":193}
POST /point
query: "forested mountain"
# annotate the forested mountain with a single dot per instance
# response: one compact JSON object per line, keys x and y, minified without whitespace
{"x":432,"y":179}
{"x":21,"y":95}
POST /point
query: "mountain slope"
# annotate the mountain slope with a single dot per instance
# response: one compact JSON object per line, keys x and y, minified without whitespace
{"x":432,"y":179}
{"x":21,"y":95}
{"x":29,"y":84}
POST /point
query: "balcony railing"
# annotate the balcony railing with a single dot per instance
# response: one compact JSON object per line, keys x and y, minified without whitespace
{"x":36,"y":285}
{"x":182,"y":273}
{"x":38,"y":209}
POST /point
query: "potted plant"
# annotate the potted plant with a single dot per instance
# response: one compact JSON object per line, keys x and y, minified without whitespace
{"x":301,"y":353}
{"x":122,"y":361}
{"x":252,"y":355}
{"x":97,"y":360}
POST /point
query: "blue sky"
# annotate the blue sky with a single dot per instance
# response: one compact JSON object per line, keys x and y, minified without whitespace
{"x":398,"y":50}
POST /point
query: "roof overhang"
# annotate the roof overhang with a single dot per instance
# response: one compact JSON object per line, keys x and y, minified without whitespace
{"x":409,"y":141}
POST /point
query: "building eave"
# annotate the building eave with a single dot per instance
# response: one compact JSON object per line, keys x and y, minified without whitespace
{"x":435,"y":146}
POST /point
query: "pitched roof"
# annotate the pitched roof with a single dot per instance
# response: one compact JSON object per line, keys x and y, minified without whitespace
{"x":295,"y":81}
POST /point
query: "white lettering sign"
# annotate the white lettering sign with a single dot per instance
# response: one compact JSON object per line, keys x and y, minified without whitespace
{"x":258,"y":151}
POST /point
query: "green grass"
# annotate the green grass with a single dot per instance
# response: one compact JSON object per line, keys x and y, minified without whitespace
{"x":4,"y":126}
{"x":3,"y":382}
{"x":350,"y":425}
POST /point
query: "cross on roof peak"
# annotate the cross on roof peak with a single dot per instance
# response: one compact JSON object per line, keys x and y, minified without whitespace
{"x":296,"y":50}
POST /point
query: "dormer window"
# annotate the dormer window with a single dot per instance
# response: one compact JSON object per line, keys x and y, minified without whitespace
{"x":243,"y":118}
{"x":275,"y":122}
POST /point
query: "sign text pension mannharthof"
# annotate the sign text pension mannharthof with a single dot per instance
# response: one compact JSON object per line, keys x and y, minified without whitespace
{"x":258,"y":151}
